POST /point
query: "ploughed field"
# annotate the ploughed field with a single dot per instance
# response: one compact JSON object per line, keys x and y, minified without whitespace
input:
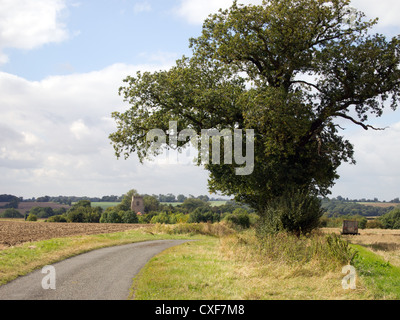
{"x":16,"y":232}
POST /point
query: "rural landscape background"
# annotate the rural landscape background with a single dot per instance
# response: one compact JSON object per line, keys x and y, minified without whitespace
{"x":318,"y":81}
{"x":227,"y":262}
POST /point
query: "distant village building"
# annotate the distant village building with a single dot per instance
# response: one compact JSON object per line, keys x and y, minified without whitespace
{"x":137,"y":205}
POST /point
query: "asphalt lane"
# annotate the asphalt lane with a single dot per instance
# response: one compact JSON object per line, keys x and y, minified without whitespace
{"x":103,"y":274}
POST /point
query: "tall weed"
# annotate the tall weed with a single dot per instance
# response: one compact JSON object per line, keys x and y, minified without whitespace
{"x":328,"y":252}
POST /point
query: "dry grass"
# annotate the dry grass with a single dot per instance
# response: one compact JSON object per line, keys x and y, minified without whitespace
{"x":232,"y":268}
{"x":385,"y":243}
{"x":379,"y":204}
{"x":281,"y":276}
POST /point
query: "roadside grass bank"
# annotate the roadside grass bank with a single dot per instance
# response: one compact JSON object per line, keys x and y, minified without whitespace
{"x":224,"y":264}
{"x":237,"y":266}
{"x":25,"y":258}
{"x":380,"y":276}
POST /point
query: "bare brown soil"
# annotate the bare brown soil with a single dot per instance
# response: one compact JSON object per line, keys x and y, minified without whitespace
{"x":16,"y":232}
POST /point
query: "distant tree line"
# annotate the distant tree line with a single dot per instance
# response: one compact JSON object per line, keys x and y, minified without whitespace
{"x":196,"y":210}
{"x":340,"y":198}
{"x":181,"y":198}
{"x":10,"y":200}
{"x":191,"y":210}
{"x":336,"y":207}
{"x":389,"y":220}
{"x":69,"y":200}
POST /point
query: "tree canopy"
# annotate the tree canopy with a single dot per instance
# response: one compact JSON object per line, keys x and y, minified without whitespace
{"x":289,"y":70}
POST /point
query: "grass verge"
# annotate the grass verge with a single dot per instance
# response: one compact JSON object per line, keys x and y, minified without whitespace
{"x":379,"y":276}
{"x":233,"y":268}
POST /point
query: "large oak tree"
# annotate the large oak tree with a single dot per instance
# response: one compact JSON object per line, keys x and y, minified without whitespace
{"x":289,"y":69}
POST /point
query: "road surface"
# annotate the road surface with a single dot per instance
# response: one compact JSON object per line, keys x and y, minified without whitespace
{"x":103,"y":274}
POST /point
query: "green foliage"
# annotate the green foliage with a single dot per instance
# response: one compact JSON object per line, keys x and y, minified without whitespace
{"x":13,"y":201}
{"x":340,"y":249}
{"x":363,"y":223}
{"x":203,"y":214}
{"x":8,"y":198}
{"x":334,"y":208}
{"x":82,"y":212}
{"x":129,"y":217}
{"x":150,"y":204}
{"x":296,"y":212}
{"x":178,"y":218}
{"x":194,"y":211}
{"x":42,"y":212}
{"x":246,"y":72}
{"x":391,"y":220}
{"x":126,"y":202}
{"x":239,"y":217}
{"x":191,"y":204}
{"x":114,"y":215}
{"x":11,"y":213}
{"x":31,"y":217}
{"x":162,"y":218}
{"x":57,"y":218}
{"x":82,"y":203}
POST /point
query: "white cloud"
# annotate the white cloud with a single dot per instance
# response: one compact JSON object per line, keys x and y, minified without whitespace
{"x":30,"y":139}
{"x":27,"y":24}
{"x":54,"y":139}
{"x":79,"y":129}
{"x":386,"y":10}
{"x":377,"y":171}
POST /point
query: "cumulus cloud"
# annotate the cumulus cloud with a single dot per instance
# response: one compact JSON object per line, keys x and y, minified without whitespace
{"x":26,"y":24}
{"x":387,"y":11}
{"x":54,"y":138}
{"x":377,"y":171}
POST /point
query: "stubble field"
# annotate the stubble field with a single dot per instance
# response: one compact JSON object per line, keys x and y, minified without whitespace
{"x":17,"y":232}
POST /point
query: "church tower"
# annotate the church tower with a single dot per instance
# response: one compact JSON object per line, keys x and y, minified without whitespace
{"x":137,"y":204}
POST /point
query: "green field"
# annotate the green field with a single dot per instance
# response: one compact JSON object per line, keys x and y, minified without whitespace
{"x":212,"y":203}
{"x":103,"y":205}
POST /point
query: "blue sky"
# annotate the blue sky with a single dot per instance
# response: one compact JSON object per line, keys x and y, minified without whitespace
{"x":61,"y":64}
{"x":100,"y":33}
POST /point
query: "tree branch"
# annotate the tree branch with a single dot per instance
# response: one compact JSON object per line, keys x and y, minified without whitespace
{"x":365,"y":126}
{"x":306,"y":83}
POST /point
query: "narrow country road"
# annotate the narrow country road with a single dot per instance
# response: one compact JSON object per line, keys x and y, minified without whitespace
{"x":103,"y":274}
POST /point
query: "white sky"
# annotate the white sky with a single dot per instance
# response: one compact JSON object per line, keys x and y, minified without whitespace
{"x":61,"y":64}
